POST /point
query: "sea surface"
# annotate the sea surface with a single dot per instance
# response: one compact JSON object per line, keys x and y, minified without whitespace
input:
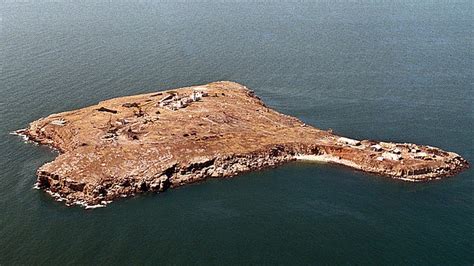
{"x":390,"y":70}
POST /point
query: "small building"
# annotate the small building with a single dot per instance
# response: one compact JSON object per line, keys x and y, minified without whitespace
{"x":348,"y":141}
{"x":196,"y":96}
{"x":387,"y":145}
{"x":165,"y":102}
{"x":166,"y":98}
{"x":180,"y":104}
{"x":376,"y":147}
{"x":391,"y":156}
{"x":396,"y":151}
{"x":414,"y":149}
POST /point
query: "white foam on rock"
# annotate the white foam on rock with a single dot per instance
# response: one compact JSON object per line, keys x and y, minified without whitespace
{"x":36,"y":186}
{"x":88,"y":207}
{"x":20,"y":133}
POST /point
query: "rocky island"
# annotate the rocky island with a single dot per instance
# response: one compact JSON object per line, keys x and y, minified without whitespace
{"x":156,"y":141}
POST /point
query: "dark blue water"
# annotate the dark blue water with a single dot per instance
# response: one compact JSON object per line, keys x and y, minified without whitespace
{"x":389,"y":70}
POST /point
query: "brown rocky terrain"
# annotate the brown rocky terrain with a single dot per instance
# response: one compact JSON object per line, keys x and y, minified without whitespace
{"x":156,"y":141}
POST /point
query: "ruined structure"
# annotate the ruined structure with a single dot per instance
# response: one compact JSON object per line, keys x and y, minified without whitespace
{"x":156,"y":141}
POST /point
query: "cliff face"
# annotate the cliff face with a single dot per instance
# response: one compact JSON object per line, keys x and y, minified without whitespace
{"x":156,"y":141}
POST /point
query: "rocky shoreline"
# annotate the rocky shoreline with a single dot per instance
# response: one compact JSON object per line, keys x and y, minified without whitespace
{"x":153,"y":142}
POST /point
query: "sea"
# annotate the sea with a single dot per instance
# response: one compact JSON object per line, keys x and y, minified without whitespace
{"x":398,"y":70}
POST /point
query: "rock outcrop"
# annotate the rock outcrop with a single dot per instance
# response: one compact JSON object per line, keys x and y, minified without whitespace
{"x":156,"y":141}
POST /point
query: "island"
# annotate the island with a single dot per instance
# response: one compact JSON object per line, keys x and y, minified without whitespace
{"x":155,"y":141}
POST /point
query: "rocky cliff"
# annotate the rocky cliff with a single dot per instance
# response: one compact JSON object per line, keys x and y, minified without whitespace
{"x":156,"y":141}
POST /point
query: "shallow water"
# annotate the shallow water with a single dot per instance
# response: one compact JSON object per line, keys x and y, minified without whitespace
{"x":398,"y":71}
